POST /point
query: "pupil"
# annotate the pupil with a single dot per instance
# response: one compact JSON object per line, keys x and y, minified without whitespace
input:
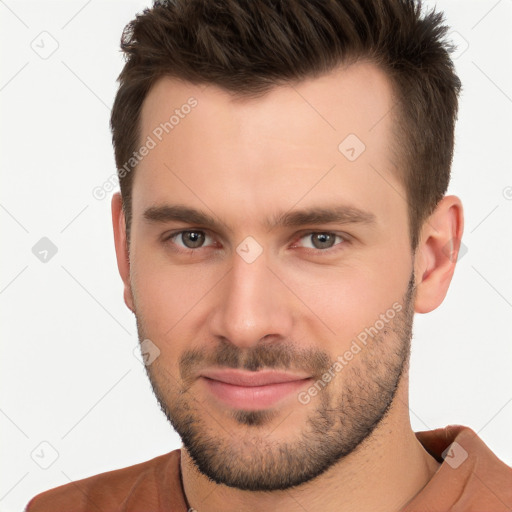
{"x":192,"y":239}
{"x":322,"y":240}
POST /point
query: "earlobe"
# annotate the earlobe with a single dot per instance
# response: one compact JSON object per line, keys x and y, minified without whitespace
{"x":437,"y":252}
{"x":121,"y":246}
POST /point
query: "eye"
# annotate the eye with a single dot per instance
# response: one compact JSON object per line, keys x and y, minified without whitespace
{"x":321,"y":240}
{"x":191,"y":239}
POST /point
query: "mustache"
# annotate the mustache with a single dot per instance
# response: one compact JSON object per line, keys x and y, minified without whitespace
{"x":273,"y":355}
{"x":269,"y":354}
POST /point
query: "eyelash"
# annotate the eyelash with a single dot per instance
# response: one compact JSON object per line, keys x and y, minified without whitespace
{"x":187,"y":251}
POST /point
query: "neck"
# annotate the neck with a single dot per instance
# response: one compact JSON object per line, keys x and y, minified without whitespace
{"x":383,"y":474}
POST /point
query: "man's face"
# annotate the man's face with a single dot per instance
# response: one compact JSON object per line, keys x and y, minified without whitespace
{"x":252,"y":292}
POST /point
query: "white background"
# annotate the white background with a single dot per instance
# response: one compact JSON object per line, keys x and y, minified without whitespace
{"x":68,"y":373}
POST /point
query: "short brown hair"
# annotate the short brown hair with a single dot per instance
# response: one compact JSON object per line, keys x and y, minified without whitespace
{"x":248,"y":47}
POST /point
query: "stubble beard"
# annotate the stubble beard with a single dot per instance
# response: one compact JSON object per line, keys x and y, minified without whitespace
{"x":242,"y":453}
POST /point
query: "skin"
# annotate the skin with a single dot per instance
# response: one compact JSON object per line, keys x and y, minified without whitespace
{"x":296,"y":307}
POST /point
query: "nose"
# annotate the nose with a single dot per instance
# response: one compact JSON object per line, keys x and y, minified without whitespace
{"x":252,"y":304}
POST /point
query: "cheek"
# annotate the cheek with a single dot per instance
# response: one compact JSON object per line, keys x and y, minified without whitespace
{"x":339,"y":303}
{"x":168,"y":296}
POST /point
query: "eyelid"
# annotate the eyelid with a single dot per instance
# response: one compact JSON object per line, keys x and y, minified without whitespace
{"x":345,"y":239}
{"x":298,"y":236}
{"x":170,"y":236}
{"x":175,"y":234}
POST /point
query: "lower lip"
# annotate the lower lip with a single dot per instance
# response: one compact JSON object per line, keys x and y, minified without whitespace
{"x":252,"y":397}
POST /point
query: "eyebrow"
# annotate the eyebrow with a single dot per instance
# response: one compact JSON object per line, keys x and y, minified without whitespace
{"x":294,"y":218}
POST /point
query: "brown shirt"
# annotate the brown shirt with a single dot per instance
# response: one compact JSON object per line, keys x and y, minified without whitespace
{"x":470,"y":479}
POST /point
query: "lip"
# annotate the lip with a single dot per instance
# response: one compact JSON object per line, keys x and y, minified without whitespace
{"x":252,"y":390}
{"x":245,"y":378}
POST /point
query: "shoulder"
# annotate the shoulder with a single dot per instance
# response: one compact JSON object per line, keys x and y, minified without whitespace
{"x":471,"y":476}
{"x":106,"y":491}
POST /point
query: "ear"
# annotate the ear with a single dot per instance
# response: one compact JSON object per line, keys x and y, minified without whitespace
{"x":437,"y":252}
{"x":122,"y":254}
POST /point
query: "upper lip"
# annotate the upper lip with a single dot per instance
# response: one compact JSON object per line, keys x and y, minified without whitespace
{"x":246,"y":378}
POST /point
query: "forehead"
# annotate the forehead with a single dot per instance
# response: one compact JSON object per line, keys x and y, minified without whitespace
{"x":354,"y":99}
{"x":329,"y":137}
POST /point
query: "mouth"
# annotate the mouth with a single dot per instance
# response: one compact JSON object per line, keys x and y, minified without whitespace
{"x":241,"y":389}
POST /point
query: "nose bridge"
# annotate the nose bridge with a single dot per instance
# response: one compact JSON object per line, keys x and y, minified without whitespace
{"x":251,"y":303}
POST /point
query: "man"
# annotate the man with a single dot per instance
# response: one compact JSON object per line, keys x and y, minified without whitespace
{"x":282,"y":216}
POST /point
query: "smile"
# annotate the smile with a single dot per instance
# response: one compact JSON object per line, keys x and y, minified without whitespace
{"x":251,"y":390}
